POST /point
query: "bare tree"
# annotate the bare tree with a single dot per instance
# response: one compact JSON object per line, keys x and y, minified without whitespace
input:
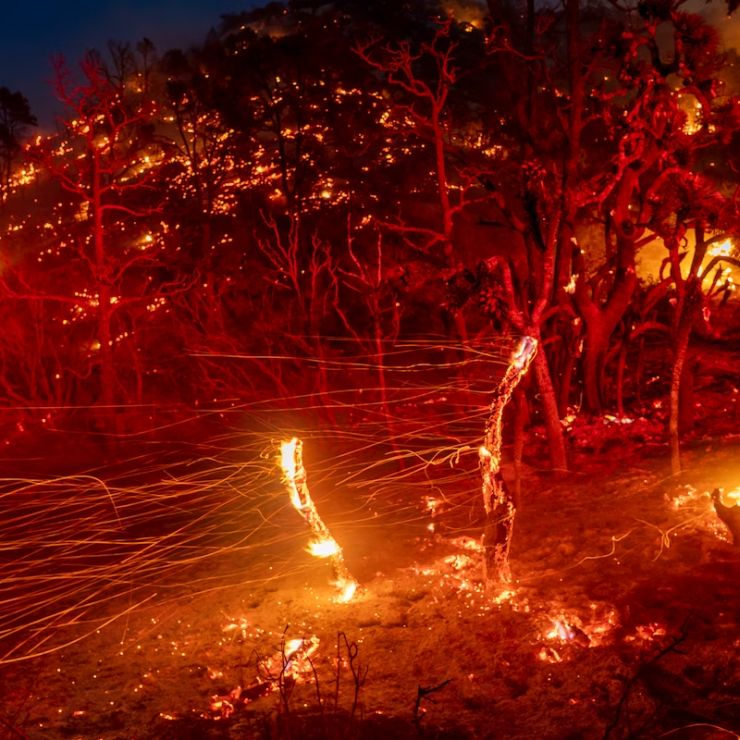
{"x":106,"y":160}
{"x":15,"y":121}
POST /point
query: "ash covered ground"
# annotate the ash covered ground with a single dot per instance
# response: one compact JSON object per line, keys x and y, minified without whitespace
{"x":179,"y":601}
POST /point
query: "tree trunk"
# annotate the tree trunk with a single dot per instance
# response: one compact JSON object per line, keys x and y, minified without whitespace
{"x":558,"y":461}
{"x":521,"y":419}
{"x":640,"y":368}
{"x":591,"y":376}
{"x":682,"y":344}
{"x":107,"y":378}
{"x":106,"y":350}
{"x":497,"y":499}
{"x":621,"y":363}
{"x":686,"y":407}
{"x":565,"y":379}
{"x":594,"y":352}
{"x":689,"y":312}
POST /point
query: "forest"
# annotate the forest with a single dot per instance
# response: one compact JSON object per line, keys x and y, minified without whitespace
{"x":443,"y":246}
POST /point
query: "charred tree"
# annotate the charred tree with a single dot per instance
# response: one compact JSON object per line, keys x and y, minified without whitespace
{"x":498,"y":500}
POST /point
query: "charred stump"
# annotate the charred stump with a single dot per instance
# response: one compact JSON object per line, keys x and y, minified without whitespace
{"x":498,"y":501}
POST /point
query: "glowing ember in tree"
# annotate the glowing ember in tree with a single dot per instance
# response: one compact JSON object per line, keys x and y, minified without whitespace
{"x":324,"y":545}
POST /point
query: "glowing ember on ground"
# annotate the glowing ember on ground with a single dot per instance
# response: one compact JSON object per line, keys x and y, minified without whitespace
{"x":703,"y":513}
{"x":646,"y":633}
{"x":568,"y":628}
{"x":689,"y":496}
{"x":324,"y":545}
{"x":292,"y":661}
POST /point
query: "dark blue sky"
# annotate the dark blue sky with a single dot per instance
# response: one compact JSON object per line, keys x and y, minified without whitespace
{"x":34,"y":30}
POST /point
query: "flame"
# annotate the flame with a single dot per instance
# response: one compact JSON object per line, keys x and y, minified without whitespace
{"x":731,"y":498}
{"x":505,"y":596}
{"x":287,"y":463}
{"x":346,"y":590}
{"x":323,"y":548}
{"x":288,"y":458}
{"x":723,"y":249}
{"x":292,"y":646}
{"x":549,"y":655}
{"x":524,"y":352}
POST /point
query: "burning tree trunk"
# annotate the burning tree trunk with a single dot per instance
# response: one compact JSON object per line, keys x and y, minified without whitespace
{"x":529,"y":322}
{"x":497,"y":499}
{"x":324,"y":545}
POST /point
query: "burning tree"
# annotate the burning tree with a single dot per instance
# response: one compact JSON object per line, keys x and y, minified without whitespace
{"x":323,"y":545}
{"x":497,"y":499}
{"x":106,"y":160}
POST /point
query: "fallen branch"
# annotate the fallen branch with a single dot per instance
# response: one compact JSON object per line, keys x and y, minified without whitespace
{"x":13,"y":728}
{"x":422,"y":693}
{"x":623,"y":704}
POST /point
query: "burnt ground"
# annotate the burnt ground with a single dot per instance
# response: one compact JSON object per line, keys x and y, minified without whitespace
{"x":173,"y":617}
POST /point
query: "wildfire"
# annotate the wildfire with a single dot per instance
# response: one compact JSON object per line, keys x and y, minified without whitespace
{"x":723,"y":249}
{"x":323,"y":545}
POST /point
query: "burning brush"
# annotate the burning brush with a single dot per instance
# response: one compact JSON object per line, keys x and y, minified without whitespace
{"x":323,"y":545}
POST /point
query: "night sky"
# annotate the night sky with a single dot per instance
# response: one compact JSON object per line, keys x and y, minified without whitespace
{"x":31,"y":32}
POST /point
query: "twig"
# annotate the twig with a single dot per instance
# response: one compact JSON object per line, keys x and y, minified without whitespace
{"x":357,"y":674}
{"x":701,"y":725}
{"x":13,"y":728}
{"x":282,"y":686}
{"x":318,"y":697}
{"x":423,"y":693}
{"x":623,"y":703}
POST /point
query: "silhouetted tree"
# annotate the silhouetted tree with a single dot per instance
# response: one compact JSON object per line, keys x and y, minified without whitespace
{"x":15,"y":121}
{"x":106,"y":161}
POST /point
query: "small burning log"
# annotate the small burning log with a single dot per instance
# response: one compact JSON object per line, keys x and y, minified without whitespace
{"x":323,"y":545}
{"x":497,"y":499}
